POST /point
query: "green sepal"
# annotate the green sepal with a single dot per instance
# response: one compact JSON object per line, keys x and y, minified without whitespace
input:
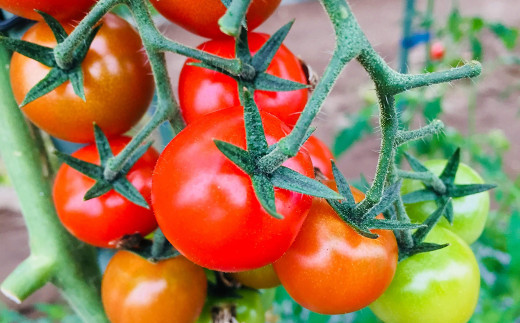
{"x":237,"y":155}
{"x":128,"y":191}
{"x":390,"y":195}
{"x":343,"y":187}
{"x":264,"y":191}
{"x":76,"y":79}
{"x":57,"y":29}
{"x":289,"y":179}
{"x":242,"y":47}
{"x":82,"y":50}
{"x":265,"y":54}
{"x":255,"y":136}
{"x":210,"y":67}
{"x":419,"y":196}
{"x":102,"y":145}
{"x":469,"y":189}
{"x":52,"y":80}
{"x":91,"y":170}
{"x":415,"y":164}
{"x":268,"y":82}
{"x":385,"y":224}
{"x":430,"y":222}
{"x":42,"y":54}
{"x":347,"y":214}
{"x":448,"y":212}
{"x":101,"y":187}
{"x":421,"y":248}
{"x":226,"y":3}
{"x":153,"y":251}
{"x":450,"y":170}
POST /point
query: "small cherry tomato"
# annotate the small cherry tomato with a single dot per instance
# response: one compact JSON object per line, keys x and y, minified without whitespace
{"x":469,"y":212}
{"x":104,"y":220}
{"x":321,"y":156}
{"x":59,"y":9}
{"x":331,"y":269}
{"x":202,"y":91}
{"x":206,"y":205}
{"x":245,"y":308}
{"x":135,"y":290}
{"x":437,"y":51}
{"x":433,"y":287}
{"x":201,"y":16}
{"x":117,"y":80}
{"x":261,"y":278}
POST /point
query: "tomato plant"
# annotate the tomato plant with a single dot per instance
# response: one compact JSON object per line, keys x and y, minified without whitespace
{"x":117,"y":81}
{"x":245,"y":307}
{"x":136,"y":290}
{"x":331,"y":269}
{"x":320,"y":155}
{"x":470,"y":212}
{"x":199,"y":195}
{"x":104,"y":220}
{"x":201,"y":17}
{"x":438,"y":286}
{"x":202,"y":91}
{"x":261,"y":278}
{"x":59,"y":9}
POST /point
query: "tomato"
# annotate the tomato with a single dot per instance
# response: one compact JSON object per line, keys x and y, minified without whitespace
{"x":433,"y":287}
{"x":246,"y":308}
{"x":59,"y":9}
{"x":206,"y":205}
{"x":261,"y":278}
{"x":331,"y":269}
{"x":201,"y":17}
{"x":469,"y":212}
{"x":202,"y":91}
{"x":118,"y":84}
{"x":437,"y":51}
{"x":135,"y":290}
{"x":321,"y":156}
{"x":102,"y":221}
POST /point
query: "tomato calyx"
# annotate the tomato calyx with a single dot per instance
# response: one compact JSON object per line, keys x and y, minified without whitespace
{"x":154,"y":251}
{"x":363,"y":223}
{"x":119,"y":183}
{"x":442,"y":188}
{"x":45,"y":55}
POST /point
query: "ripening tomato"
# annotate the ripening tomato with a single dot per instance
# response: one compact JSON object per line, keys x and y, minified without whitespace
{"x":441,"y":286}
{"x":330,"y":268}
{"x":469,"y":212}
{"x":201,"y":16}
{"x":261,"y":278}
{"x":437,"y":51}
{"x":59,"y":9}
{"x":321,"y":156}
{"x":104,"y":220}
{"x":118,"y":84}
{"x":245,"y":308}
{"x":202,"y":91}
{"x":135,"y":290}
{"x":206,"y":205}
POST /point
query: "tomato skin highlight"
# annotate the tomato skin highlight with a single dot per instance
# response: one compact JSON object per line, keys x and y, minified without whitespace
{"x":118,"y":84}
{"x":469,"y":212}
{"x":135,"y":290}
{"x":331,"y":269}
{"x":61,"y":10}
{"x":199,"y":195}
{"x":202,"y":91}
{"x":201,"y":17}
{"x":102,"y":221}
{"x":321,"y":156}
{"x":433,"y":287}
{"x":260,"y":278}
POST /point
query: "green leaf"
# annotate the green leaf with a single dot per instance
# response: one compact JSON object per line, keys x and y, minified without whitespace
{"x":101,"y":187}
{"x":57,"y":29}
{"x":91,"y":170}
{"x":265,"y":55}
{"x":289,"y":179}
{"x":454,"y":22}
{"x":507,"y":35}
{"x":268,"y":82}
{"x":52,"y":80}
{"x":430,"y":222}
{"x":419,"y":196}
{"x":265,"y":194}
{"x":42,"y":54}
{"x":128,"y":191}
{"x":476,"y":48}
{"x":102,"y":145}
{"x":256,"y":143}
{"x":432,"y":108}
{"x":350,"y":135}
{"x":450,"y":170}
{"x":76,"y":79}
{"x":469,"y":189}
{"x":343,"y":186}
{"x":237,"y":155}
{"x":477,"y":23}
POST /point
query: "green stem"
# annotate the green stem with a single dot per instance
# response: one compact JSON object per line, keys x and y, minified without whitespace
{"x":231,"y":21}
{"x":427,"y":178}
{"x":433,"y":128}
{"x":409,"y":12}
{"x":55,"y":255}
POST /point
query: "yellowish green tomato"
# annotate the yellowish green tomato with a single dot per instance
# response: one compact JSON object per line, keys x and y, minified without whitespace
{"x":246,"y":309}
{"x":260,"y":278}
{"x":470,"y":212}
{"x":441,"y":286}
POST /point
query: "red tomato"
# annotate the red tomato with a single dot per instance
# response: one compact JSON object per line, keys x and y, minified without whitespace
{"x":202,"y":91}
{"x":59,"y":9}
{"x":104,"y":220}
{"x":320,"y":156}
{"x":331,"y":269}
{"x":201,"y":16}
{"x":206,"y":205}
{"x":437,"y":51}
{"x":117,"y":78}
{"x":135,"y":290}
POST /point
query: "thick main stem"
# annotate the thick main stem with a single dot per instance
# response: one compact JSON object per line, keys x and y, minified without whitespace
{"x":55,"y":255}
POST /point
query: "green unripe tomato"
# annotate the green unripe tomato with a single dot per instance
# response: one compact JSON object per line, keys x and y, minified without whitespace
{"x":441,"y":286}
{"x":247,"y":309}
{"x":469,"y":212}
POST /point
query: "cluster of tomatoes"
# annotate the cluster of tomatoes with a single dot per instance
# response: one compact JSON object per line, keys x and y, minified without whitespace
{"x":206,"y":206}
